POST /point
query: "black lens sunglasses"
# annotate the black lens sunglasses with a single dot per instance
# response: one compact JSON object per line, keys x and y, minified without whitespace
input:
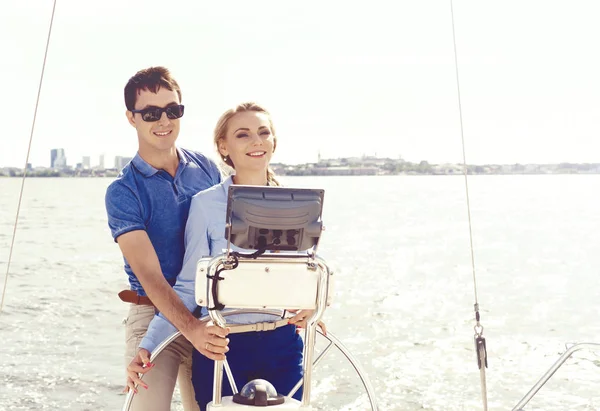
{"x":154,"y":113}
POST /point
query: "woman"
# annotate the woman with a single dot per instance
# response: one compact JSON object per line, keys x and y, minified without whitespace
{"x":245,"y":139}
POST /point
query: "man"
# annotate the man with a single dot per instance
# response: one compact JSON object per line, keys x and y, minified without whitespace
{"x":147,"y":207}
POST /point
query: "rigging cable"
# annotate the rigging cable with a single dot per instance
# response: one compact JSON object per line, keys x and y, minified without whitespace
{"x":12,"y":243}
{"x":480,"y":347}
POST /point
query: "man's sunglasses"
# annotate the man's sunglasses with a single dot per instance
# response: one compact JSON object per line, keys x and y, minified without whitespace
{"x":155,"y":113}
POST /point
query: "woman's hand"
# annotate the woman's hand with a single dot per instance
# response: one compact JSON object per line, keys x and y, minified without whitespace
{"x":139,"y":365}
{"x":299,"y":320}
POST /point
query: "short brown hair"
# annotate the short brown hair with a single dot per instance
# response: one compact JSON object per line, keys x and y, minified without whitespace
{"x":151,"y":79}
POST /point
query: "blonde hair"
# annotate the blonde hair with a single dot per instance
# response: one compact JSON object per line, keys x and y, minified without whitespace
{"x":221,"y":132}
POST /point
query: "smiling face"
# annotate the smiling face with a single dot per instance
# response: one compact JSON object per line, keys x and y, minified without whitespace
{"x":155,"y":136}
{"x":249,"y":142}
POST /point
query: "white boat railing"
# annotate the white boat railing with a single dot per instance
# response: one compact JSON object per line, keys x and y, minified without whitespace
{"x":544,"y":379}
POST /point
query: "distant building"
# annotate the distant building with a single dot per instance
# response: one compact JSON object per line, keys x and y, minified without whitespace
{"x":101,"y":162}
{"x":58,"y":159}
{"x":85,"y":163}
{"x":121,"y":162}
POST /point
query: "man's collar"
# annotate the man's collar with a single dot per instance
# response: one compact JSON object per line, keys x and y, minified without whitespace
{"x":183,"y":158}
{"x":148,"y":171}
{"x":143,"y":167}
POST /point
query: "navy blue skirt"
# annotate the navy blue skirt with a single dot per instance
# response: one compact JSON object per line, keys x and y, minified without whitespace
{"x":275,"y":356}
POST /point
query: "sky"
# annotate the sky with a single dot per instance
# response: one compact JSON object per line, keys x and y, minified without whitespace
{"x":339,"y":78}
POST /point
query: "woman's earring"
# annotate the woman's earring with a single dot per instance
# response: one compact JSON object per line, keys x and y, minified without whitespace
{"x":225,"y":158}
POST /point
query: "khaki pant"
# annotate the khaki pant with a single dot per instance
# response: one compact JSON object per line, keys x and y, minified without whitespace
{"x":173,"y":364}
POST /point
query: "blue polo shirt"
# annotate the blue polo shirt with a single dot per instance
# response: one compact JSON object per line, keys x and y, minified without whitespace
{"x":145,"y":198}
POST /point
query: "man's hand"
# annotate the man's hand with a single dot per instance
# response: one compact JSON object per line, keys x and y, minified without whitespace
{"x":208,"y":338}
{"x":139,"y":365}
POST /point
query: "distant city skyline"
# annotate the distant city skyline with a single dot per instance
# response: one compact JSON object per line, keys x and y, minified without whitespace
{"x":59,"y":159}
{"x":353,"y":166}
{"x":101,"y":159}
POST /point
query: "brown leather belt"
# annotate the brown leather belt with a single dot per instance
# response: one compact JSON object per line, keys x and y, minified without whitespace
{"x":130,"y":296}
